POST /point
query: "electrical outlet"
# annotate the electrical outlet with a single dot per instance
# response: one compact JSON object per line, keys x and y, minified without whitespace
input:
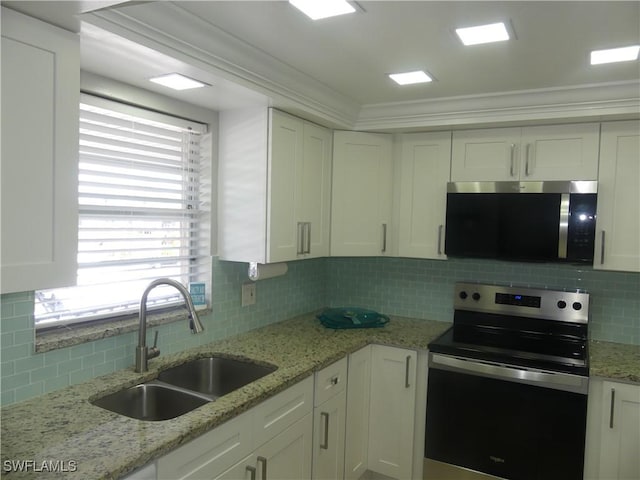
{"x":248,"y":294}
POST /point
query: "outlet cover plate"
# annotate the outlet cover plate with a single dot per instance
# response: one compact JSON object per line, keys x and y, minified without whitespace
{"x":248,"y":294}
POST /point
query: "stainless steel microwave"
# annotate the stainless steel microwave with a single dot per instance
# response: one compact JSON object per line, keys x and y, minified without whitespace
{"x":525,"y":221}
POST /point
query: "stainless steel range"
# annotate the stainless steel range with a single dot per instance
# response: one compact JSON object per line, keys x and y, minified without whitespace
{"x":507,"y":386}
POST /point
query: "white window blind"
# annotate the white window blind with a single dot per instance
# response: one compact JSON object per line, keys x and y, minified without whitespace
{"x":144,"y":202}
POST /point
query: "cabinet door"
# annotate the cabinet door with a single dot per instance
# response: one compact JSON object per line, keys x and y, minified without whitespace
{"x":425,"y":165}
{"x":40,"y":97}
{"x":315,"y":204}
{"x":620,"y":432}
{"x":617,"y":244}
{"x":485,"y":155}
{"x":560,"y":152}
{"x":361,"y":197}
{"x":392,"y":410}
{"x":209,"y":454}
{"x":328,"y":441}
{"x":357,"y":425}
{"x":287,"y":455}
{"x":279,"y":412}
{"x":285,"y":186}
{"x":245,"y":469}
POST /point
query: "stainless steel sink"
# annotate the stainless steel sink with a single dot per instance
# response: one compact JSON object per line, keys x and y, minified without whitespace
{"x":215,"y":376}
{"x":151,"y":401}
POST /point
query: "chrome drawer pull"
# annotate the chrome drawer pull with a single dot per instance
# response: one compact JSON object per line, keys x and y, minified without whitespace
{"x":263,"y":461}
{"x":252,"y":472}
{"x":325,"y":443}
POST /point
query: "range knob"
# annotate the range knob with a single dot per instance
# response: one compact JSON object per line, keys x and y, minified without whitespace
{"x":476,"y":296}
{"x":562,"y":304}
{"x":577,"y":306}
{"x":463,"y":295}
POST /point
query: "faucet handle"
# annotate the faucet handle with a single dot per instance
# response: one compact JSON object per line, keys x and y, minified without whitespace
{"x":153,"y":352}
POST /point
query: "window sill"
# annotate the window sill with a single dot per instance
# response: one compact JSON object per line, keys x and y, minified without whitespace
{"x":69,"y":335}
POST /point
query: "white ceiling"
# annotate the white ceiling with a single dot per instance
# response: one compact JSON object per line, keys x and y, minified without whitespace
{"x":349,"y":56}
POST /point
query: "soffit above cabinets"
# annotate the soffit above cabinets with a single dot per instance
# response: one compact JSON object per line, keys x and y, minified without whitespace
{"x":335,"y":70}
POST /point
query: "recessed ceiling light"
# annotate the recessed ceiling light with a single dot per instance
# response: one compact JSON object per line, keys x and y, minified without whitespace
{"x":409,"y":78}
{"x":177,"y":81}
{"x":494,"y":32}
{"x":623,"y":54}
{"x":317,"y":9}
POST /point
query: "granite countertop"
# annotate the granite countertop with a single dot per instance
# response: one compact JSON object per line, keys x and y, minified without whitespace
{"x":89,"y":442}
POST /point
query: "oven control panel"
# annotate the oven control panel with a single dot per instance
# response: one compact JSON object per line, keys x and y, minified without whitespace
{"x":567,"y":306}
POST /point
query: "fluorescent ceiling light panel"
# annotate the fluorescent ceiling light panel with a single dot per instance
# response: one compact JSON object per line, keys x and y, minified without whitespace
{"x":611,"y":55}
{"x":317,"y":9}
{"x":177,"y":81}
{"x":409,"y":78}
{"x":494,"y":32}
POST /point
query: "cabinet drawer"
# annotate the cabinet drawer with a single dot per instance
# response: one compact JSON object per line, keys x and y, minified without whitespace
{"x":210,"y":453}
{"x":330,"y":381}
{"x":276,"y":414}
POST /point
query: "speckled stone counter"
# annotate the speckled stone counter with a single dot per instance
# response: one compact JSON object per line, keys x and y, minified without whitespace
{"x":64,"y":426}
{"x":92,"y":443}
{"x":615,"y":361}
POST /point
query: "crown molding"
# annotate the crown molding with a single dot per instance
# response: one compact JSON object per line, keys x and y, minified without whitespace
{"x":170,"y":29}
{"x":597,"y":101}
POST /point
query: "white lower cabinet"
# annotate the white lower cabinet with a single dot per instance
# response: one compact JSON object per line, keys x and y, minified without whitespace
{"x":357,"y":424}
{"x":329,"y":417}
{"x":358,"y":420}
{"x":613,"y":431}
{"x":274,"y":438}
{"x":286,"y":456}
{"x":392,"y":411}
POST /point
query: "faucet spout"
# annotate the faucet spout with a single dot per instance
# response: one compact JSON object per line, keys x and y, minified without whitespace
{"x":143,"y":353}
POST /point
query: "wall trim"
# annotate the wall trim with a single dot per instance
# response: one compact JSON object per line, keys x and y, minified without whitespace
{"x":172,"y":30}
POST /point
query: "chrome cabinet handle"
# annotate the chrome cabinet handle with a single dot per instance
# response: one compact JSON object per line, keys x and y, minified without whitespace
{"x":300,"y":248}
{"x":440,"y":228}
{"x":511,"y":168}
{"x":263,"y":461}
{"x":602,"y":248}
{"x":526,"y":161}
{"x":252,"y":472}
{"x":384,"y":237}
{"x":308,"y":237}
{"x":325,"y":442}
{"x":406,"y":372}
{"x":612,"y":407}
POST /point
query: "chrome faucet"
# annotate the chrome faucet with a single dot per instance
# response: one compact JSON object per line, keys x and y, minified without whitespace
{"x":143,"y":353}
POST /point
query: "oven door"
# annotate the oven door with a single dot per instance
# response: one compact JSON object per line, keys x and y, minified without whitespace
{"x":511,"y":423}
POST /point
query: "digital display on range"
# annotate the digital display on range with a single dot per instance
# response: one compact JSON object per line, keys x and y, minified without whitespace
{"x":518,"y":300}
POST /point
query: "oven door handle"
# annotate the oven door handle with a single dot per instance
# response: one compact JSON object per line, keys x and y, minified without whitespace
{"x":555,"y":380}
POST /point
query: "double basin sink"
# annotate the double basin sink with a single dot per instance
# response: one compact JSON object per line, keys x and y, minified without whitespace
{"x":180,"y":389}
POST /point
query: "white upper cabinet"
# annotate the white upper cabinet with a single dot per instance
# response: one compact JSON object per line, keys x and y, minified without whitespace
{"x":40,"y":98}
{"x":424,"y":173}
{"x":555,"y":152}
{"x":617,"y":244}
{"x":362,"y":194}
{"x":274,"y":187}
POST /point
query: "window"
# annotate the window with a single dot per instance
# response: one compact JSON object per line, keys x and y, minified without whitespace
{"x":144,"y":200}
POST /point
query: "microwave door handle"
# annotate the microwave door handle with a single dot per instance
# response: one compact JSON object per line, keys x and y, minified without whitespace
{"x":563,"y":228}
{"x":511,"y":168}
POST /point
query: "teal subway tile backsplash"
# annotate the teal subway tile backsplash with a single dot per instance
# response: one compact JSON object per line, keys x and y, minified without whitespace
{"x":26,"y":374}
{"x":396,"y":286}
{"x":423,"y":288}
